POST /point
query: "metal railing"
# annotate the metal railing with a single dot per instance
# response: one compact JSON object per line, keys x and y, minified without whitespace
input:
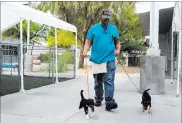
{"x":39,"y":67}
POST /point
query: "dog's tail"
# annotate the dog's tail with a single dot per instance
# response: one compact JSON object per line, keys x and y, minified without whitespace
{"x":147,"y":90}
{"x":81,"y":93}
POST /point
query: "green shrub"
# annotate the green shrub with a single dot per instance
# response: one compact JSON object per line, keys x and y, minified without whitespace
{"x":68,"y":57}
{"x":63,"y":59}
{"x":44,"y":57}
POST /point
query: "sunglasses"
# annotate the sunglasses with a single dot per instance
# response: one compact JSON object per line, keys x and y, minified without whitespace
{"x":107,"y":13}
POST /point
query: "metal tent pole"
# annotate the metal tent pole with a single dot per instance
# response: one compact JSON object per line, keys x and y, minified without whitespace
{"x":28,"y":35}
{"x":57,"y":81}
{"x":21,"y":43}
{"x":75,"y":69}
{"x":28,"y":30}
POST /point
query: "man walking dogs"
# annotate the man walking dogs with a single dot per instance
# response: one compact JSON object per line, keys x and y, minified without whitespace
{"x":103,"y":38}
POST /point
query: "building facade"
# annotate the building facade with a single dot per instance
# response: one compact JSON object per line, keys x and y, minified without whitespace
{"x":169,"y":35}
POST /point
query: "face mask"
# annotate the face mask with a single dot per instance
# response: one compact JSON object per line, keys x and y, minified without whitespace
{"x":105,"y":22}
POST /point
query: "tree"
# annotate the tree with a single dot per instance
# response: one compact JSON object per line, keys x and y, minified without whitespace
{"x":36,"y":31}
{"x":80,"y":14}
{"x":84,"y":14}
{"x":64,"y":38}
{"x":128,"y":24}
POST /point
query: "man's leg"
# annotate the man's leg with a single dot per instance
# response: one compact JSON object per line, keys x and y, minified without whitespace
{"x":98,"y":88}
{"x":109,"y":85}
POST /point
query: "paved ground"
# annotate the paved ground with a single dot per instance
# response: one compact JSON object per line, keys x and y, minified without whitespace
{"x":69,"y":74}
{"x":59,"y":103}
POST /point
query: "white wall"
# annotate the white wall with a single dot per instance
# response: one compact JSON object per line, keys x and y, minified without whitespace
{"x":163,"y":46}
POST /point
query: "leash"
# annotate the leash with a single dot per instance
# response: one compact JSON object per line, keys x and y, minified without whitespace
{"x":128,"y":75}
{"x":123,"y":69}
{"x":70,"y":117}
{"x":150,"y":115}
{"x":88,"y":88}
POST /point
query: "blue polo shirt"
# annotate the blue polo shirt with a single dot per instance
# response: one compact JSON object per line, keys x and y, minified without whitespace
{"x":103,"y":47}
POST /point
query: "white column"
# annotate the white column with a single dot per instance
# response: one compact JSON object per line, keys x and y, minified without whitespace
{"x":76,"y":51}
{"x":154,"y":30}
{"x":172,"y":56}
{"x":179,"y":51}
{"x":179,"y":64}
{"x":21,"y":63}
{"x":56,"y":50}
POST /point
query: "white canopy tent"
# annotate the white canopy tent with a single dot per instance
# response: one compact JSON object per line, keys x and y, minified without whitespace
{"x":12,"y":13}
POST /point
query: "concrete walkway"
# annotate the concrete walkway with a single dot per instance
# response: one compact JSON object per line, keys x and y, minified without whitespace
{"x":59,"y":103}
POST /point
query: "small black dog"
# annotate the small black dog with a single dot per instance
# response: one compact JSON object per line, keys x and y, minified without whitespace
{"x":86,"y":104}
{"x":146,"y":101}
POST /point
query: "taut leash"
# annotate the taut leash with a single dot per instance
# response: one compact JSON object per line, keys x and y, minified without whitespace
{"x":88,"y":88}
{"x":128,"y":75}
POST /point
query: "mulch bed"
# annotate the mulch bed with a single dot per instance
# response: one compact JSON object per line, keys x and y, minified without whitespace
{"x":12,"y":84}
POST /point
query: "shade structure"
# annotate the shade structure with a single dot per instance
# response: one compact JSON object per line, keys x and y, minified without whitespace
{"x":12,"y":12}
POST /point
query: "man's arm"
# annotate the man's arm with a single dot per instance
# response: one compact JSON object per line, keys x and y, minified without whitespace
{"x":117,"y":42}
{"x":86,"y":47}
{"x":118,"y":46}
{"x":88,"y":42}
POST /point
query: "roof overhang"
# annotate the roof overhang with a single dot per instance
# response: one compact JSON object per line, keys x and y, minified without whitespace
{"x":165,"y":20}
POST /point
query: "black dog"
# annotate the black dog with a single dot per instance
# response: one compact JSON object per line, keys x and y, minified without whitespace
{"x":86,"y":104}
{"x":146,"y":101}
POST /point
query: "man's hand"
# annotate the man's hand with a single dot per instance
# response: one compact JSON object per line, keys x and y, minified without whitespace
{"x":84,"y":53}
{"x":86,"y":47}
{"x":117,"y":52}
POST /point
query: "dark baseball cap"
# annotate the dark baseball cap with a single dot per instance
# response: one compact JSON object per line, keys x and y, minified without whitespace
{"x":106,"y":13}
